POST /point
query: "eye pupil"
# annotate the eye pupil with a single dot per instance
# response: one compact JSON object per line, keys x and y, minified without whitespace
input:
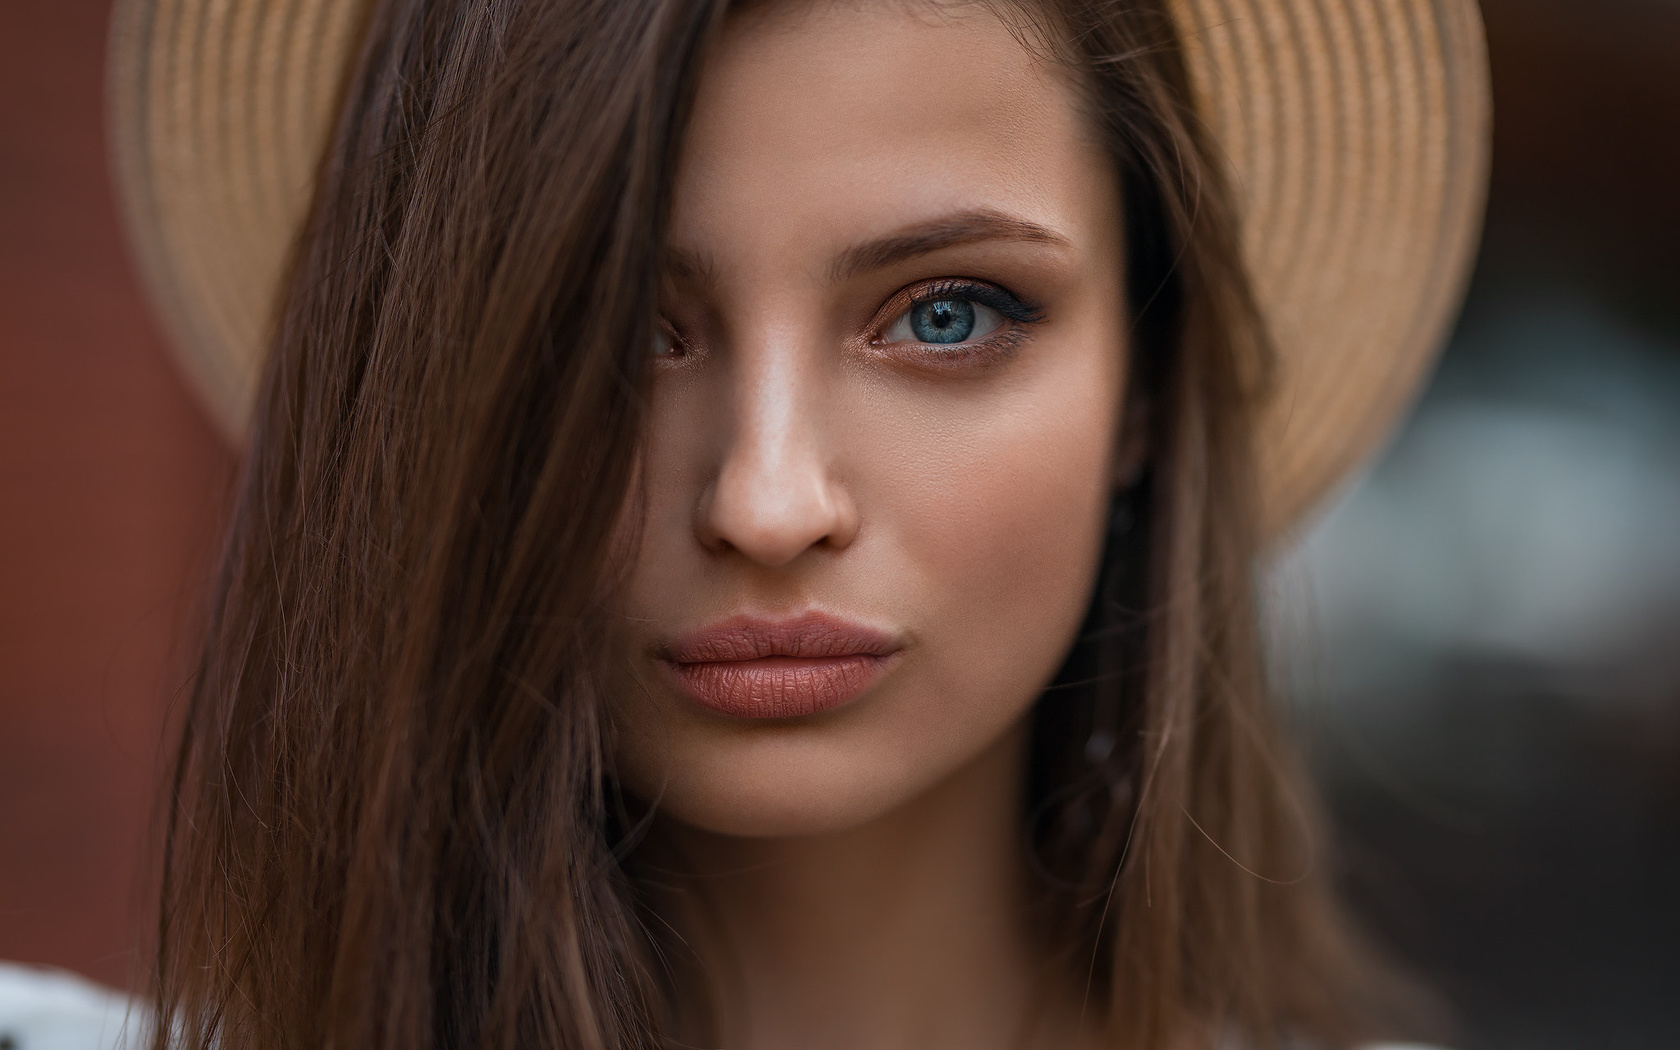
{"x":942,"y":320}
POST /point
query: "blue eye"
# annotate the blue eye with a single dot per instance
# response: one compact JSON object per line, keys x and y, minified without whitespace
{"x":942,"y":322}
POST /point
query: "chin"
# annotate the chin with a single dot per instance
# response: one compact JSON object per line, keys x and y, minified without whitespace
{"x":763,"y":781}
{"x":804,"y":811}
{"x":820,"y":776}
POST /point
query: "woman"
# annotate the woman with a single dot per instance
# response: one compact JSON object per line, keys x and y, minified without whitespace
{"x":748,"y":529}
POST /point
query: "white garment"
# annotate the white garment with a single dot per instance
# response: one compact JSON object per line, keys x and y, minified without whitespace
{"x":42,"y":1009}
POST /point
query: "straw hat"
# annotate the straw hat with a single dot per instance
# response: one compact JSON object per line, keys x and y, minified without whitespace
{"x":1356,"y":131}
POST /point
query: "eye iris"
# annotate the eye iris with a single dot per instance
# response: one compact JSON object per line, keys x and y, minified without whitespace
{"x":942,"y":321}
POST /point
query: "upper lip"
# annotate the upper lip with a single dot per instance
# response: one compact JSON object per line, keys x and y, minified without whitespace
{"x":810,"y":636}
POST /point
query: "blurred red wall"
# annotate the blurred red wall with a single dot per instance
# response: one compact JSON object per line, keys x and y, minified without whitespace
{"x":110,"y":484}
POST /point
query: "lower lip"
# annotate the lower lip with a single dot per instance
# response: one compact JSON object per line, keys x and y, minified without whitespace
{"x":779,"y":686}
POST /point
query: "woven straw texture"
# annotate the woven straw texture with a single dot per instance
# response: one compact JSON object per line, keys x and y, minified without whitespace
{"x":1355,"y":131}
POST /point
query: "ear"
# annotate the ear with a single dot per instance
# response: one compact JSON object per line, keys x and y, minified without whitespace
{"x":1132,"y":450}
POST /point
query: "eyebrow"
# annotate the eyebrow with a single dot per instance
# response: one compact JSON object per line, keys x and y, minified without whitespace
{"x":947,"y":231}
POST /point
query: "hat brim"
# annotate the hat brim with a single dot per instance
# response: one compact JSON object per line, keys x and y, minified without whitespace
{"x":1356,"y":133}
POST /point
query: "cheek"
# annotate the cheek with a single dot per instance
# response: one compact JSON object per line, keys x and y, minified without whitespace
{"x":1002,"y":533}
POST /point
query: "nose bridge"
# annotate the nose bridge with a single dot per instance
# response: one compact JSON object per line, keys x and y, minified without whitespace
{"x":774,"y":496}
{"x":776,"y":413}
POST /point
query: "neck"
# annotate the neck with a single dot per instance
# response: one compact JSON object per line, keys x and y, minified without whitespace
{"x":909,"y":931}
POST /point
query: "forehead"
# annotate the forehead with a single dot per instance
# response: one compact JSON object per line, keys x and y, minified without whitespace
{"x":826,"y":122}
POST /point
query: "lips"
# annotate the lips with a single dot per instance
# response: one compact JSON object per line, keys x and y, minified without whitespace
{"x":749,"y":667}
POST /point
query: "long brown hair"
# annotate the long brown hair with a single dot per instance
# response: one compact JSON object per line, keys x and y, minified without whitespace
{"x":392,"y":818}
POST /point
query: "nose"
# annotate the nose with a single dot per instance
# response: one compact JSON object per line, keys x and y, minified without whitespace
{"x":775,"y":495}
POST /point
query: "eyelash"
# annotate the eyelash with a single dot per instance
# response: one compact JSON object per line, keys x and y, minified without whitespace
{"x":991,"y":349}
{"x":984,"y":294}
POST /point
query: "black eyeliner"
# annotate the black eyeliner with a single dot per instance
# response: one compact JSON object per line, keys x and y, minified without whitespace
{"x":989,"y":295}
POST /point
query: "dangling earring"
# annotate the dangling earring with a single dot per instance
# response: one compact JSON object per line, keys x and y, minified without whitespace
{"x":1105,"y":720}
{"x":1098,"y":746}
{"x":1122,"y":513}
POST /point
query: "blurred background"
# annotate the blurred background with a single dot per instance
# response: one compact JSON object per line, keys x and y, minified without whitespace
{"x":1480,"y":638}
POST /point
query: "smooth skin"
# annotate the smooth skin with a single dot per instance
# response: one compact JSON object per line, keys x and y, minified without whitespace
{"x":855,"y":878}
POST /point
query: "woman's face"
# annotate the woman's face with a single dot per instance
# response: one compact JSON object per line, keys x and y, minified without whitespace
{"x":882,"y":420}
